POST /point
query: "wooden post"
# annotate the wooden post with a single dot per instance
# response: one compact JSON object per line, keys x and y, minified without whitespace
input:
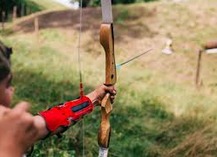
{"x":3,"y":20}
{"x":207,"y":46}
{"x":14,"y":13}
{"x":197,"y":79}
{"x":22,"y":10}
{"x":36,"y":25}
{"x":14,"y":16}
{"x":210,"y":45}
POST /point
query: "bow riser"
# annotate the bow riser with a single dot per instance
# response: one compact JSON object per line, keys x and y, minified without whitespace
{"x":107,"y":41}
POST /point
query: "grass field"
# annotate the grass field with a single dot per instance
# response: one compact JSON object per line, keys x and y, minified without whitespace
{"x":48,"y":4}
{"x":158,"y":112}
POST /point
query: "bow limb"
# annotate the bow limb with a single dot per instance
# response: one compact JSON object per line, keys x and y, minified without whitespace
{"x":107,"y":41}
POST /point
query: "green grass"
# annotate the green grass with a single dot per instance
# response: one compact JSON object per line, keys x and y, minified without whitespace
{"x":48,"y":4}
{"x":158,"y":111}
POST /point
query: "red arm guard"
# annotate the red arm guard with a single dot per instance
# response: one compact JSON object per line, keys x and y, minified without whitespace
{"x":66,"y":113}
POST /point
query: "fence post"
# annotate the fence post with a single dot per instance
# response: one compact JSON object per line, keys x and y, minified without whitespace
{"x":197,"y":79}
{"x":36,"y":26}
{"x":14,"y":13}
{"x":3,"y":20}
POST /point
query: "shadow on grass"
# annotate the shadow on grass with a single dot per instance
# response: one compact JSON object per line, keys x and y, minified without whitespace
{"x":134,"y":130}
{"x":150,"y":130}
{"x":42,"y":92}
{"x":6,"y":32}
{"x":147,"y":131}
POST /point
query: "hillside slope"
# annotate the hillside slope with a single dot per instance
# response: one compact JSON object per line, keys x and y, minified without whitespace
{"x":48,"y":4}
{"x":158,"y":110}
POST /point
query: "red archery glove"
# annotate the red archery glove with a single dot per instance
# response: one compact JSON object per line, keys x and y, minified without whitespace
{"x":65,"y":114}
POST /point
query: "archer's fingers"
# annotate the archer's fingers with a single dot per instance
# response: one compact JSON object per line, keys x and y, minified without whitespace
{"x":112,"y":98}
{"x":4,"y":110}
{"x":21,"y":107}
{"x":110,"y":89}
{"x":31,"y":128}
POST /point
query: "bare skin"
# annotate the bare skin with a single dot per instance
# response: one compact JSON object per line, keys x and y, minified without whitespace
{"x":14,"y":139}
{"x":95,"y":96}
{"x":6,"y":91}
{"x":17,"y":130}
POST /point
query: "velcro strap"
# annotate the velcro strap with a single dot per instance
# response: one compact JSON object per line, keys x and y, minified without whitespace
{"x":66,"y":113}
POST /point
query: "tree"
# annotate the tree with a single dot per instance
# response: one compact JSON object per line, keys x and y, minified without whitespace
{"x":94,"y":3}
{"x":7,"y":7}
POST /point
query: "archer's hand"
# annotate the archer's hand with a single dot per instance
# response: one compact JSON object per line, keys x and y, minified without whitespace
{"x":99,"y":93}
{"x":17,"y":130}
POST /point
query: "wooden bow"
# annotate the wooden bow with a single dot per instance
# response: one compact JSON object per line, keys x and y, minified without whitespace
{"x":107,"y":42}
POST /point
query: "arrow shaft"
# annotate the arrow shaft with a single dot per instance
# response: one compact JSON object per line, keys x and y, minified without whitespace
{"x":131,"y":59}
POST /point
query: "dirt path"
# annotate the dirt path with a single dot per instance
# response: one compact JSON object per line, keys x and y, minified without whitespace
{"x":63,"y":19}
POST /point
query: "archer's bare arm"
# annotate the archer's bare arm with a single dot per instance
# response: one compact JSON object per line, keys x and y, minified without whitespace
{"x":95,"y":96}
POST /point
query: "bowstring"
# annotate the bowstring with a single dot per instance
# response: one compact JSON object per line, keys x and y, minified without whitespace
{"x":81,"y":92}
{"x":79,"y":49}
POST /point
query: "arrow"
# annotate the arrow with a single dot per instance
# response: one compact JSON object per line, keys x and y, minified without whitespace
{"x":118,"y":66}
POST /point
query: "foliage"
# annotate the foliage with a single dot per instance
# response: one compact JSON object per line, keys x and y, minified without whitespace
{"x":123,"y":15}
{"x":94,"y":3}
{"x":23,"y":7}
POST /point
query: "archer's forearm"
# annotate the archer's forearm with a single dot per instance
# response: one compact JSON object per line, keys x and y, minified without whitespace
{"x":58,"y":118}
{"x":41,"y":127}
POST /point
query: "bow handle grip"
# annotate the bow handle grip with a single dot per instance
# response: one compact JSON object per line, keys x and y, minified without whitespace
{"x":105,"y":128}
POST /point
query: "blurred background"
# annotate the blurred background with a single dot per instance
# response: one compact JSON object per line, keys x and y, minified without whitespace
{"x":167,"y":99}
